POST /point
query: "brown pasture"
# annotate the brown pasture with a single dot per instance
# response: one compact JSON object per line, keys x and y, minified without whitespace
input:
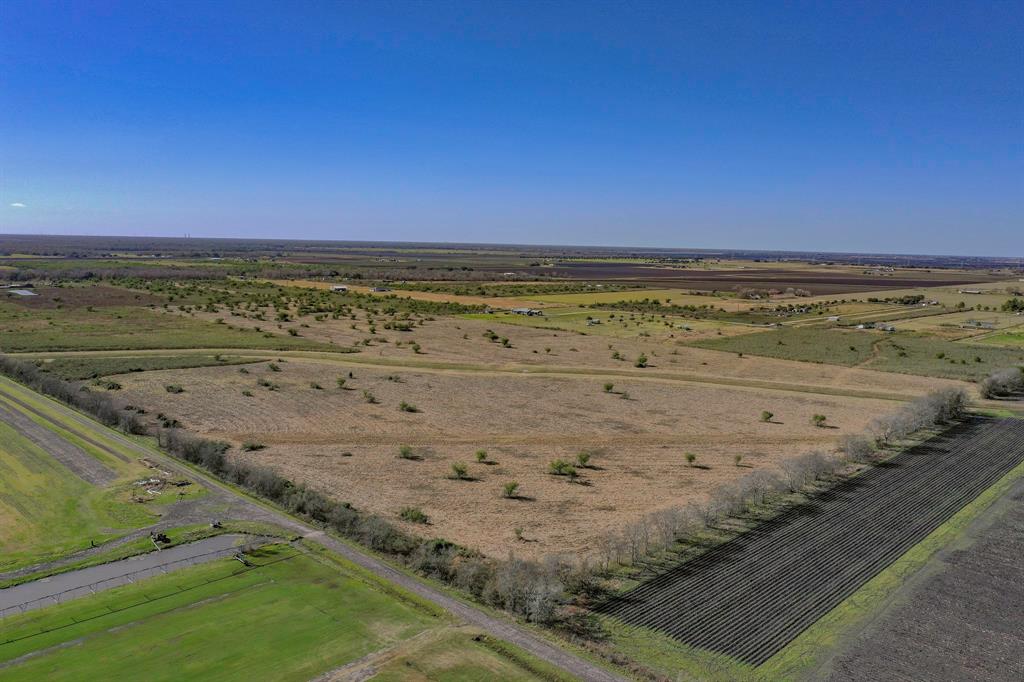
{"x":523,"y":421}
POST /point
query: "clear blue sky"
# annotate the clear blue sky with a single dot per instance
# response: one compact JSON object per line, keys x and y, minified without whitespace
{"x":856,"y":126}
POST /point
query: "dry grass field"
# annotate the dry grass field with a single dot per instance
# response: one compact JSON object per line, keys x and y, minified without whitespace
{"x":447,"y":341}
{"x":336,"y":440}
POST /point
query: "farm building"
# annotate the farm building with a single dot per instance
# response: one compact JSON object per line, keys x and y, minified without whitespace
{"x":529,"y":312}
{"x":339,"y":287}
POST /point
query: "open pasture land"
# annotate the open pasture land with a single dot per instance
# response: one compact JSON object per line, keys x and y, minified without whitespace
{"x":911,"y":353}
{"x":748,"y":598}
{"x":960,"y":617}
{"x":26,"y":329}
{"x":959,"y":325}
{"x":289,"y":613}
{"x":1010,"y":339}
{"x":616,"y":324}
{"x":335,"y":440}
{"x":461,"y":343}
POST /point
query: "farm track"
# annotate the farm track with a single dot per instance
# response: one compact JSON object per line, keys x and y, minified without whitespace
{"x":751,"y":596}
{"x":243,"y":507}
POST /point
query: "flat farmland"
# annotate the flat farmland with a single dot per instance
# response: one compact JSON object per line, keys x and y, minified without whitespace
{"x":749,"y":597}
{"x":818,"y":280}
{"x":961,"y":620}
{"x":465,"y":343}
{"x":288,"y":613}
{"x":336,"y":440}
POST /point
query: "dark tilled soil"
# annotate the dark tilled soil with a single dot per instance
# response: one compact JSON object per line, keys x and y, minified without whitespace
{"x":965,"y":622}
{"x":750,"y":597}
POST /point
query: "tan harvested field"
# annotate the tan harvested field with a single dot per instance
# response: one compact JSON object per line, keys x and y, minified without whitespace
{"x":522,"y":421}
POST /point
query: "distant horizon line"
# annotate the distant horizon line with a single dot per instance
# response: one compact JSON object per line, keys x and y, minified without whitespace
{"x":509,"y":245}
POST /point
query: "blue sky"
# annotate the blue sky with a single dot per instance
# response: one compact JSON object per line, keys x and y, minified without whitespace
{"x":853,"y":126}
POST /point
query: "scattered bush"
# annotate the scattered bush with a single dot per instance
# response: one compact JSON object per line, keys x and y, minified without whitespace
{"x":459,"y":471}
{"x":406,"y":452}
{"x":252,"y":446}
{"x":691,"y":459}
{"x":510,"y":489}
{"x":561,"y":467}
{"x":481,"y":456}
{"x":174,"y":388}
{"x":413,"y":515}
{"x":407,"y":407}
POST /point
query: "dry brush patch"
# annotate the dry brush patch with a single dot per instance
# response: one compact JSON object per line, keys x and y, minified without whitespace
{"x":342,"y":444}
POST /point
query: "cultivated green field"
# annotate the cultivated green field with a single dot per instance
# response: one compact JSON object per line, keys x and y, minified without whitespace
{"x":1011,"y":339}
{"x":47,"y":511}
{"x":908,"y":353}
{"x":290,"y":617}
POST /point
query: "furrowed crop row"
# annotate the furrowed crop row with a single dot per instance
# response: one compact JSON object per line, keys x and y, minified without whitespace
{"x":753,"y":595}
{"x":771,"y":586}
{"x":748,"y":548}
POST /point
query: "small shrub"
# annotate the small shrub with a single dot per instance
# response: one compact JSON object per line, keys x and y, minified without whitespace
{"x":608,"y":387}
{"x":174,"y":388}
{"x":274,"y":368}
{"x":247,"y":393}
{"x":341,"y":382}
{"x":583,"y":459}
{"x":370,"y":398}
{"x":691,"y":459}
{"x":561,"y":467}
{"x":315,"y":386}
{"x":481,"y":456}
{"x":407,"y":407}
{"x":819,"y":420}
{"x":737,"y":459}
{"x":459,"y":470}
{"x":509,"y":489}
{"x":641,"y":361}
{"x":406,"y":452}
{"x":766,"y":416}
{"x":413,"y":515}
{"x":252,"y":446}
